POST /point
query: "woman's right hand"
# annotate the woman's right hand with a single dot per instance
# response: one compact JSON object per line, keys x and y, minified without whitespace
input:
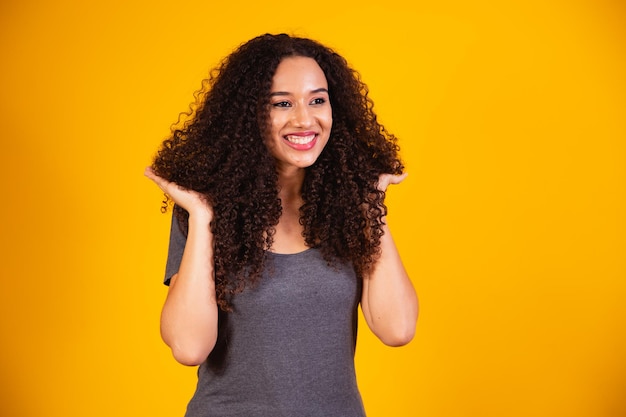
{"x":192,"y":201}
{"x":189,"y":315}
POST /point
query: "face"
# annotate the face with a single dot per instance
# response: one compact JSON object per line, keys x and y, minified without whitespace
{"x":300,"y":114}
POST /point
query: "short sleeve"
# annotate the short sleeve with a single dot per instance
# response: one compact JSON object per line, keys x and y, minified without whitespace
{"x":175,"y":250}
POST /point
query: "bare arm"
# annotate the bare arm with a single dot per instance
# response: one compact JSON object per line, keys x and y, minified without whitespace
{"x":189,"y":315}
{"x":388,"y":299}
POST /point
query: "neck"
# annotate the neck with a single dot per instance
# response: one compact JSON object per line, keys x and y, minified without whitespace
{"x":290,"y":184}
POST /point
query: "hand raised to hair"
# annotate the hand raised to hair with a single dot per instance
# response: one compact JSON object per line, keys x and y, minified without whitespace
{"x":190,"y":200}
{"x":385,"y":179}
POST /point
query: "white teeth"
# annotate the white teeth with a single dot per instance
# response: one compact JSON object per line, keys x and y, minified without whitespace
{"x":300,"y":140}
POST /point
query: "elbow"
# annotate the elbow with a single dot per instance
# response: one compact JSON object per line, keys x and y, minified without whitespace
{"x":398,"y":337}
{"x":190,"y":352}
{"x":401,"y":330}
{"x":189,"y":357}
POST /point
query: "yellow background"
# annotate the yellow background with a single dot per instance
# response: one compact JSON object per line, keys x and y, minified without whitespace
{"x":512,"y":122}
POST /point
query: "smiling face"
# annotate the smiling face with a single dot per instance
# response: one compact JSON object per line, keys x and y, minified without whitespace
{"x":300,"y":114}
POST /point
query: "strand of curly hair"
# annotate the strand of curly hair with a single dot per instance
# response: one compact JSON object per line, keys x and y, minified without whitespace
{"x":219,"y":152}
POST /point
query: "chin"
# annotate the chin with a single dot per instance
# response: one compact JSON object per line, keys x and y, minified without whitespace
{"x":306,"y":163}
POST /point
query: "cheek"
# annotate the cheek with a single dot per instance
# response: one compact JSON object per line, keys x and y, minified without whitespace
{"x":276,"y":124}
{"x":328,"y":121}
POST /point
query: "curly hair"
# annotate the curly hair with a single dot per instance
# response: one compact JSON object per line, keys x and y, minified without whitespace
{"x":219,"y":152}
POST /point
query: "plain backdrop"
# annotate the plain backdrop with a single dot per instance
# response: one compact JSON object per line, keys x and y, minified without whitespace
{"x":511,"y":117}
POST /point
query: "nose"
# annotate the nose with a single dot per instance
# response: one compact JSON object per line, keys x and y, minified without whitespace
{"x":302,"y":116}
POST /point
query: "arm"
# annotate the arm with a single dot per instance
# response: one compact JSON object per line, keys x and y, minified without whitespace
{"x":388,"y":299}
{"x":189,"y":315}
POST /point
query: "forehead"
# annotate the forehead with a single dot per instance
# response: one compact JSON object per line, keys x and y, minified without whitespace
{"x":299,"y":72}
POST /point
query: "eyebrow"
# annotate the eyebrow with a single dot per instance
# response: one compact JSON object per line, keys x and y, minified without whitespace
{"x":285,"y":93}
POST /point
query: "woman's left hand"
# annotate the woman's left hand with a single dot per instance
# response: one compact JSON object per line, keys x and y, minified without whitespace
{"x":385,"y":179}
{"x":388,"y":299}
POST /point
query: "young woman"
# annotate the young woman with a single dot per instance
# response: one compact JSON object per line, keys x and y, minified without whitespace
{"x":279,"y":233}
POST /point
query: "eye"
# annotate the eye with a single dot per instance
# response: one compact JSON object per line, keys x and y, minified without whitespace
{"x":281,"y":104}
{"x":318,"y":101}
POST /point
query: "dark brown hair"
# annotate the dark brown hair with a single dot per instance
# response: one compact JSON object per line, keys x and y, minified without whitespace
{"x":219,"y":152}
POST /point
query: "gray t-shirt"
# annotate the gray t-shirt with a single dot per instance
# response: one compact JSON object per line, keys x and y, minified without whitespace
{"x":287,"y":348}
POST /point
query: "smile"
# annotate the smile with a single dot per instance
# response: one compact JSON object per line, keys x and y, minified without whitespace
{"x":300,"y":140}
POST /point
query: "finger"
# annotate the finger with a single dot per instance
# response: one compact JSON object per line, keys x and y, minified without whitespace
{"x":386,"y":179}
{"x":149,"y":172}
{"x":397,"y":179}
{"x":160,"y":181}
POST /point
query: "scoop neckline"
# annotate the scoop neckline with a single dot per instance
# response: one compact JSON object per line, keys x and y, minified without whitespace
{"x":279,"y":254}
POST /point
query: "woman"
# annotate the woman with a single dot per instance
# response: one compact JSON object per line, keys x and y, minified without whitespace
{"x":279,"y":233}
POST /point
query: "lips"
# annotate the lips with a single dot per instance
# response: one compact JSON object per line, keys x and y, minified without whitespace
{"x":301,"y":141}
